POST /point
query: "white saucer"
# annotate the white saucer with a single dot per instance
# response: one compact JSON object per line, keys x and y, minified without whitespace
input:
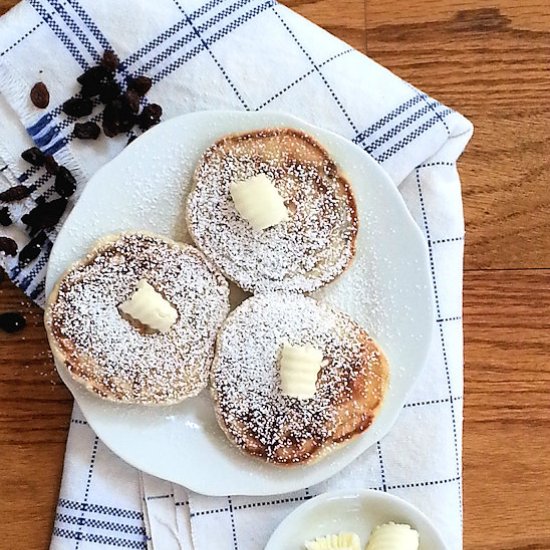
{"x":387,"y":289}
{"x":356,"y":511}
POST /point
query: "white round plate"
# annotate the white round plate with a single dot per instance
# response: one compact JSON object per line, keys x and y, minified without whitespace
{"x":387,"y":290}
{"x":356,"y":511}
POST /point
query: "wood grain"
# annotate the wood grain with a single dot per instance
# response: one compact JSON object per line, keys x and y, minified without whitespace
{"x":35,"y":409}
{"x":507,"y":409}
{"x":488,"y":59}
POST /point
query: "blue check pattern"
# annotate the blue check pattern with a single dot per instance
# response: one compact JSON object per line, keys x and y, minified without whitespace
{"x":249,"y":55}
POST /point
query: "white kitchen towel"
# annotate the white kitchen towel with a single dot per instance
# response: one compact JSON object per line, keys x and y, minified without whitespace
{"x":100,"y":502}
{"x":166,"y":513}
{"x":250,"y":55}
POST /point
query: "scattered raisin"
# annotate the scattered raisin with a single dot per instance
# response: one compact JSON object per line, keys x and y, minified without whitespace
{"x":5,"y":218}
{"x":8,"y":246}
{"x":12,"y":322}
{"x":131,"y":98}
{"x":65,"y":182}
{"x":109,"y":90}
{"x":15,"y":193}
{"x":117,"y":118}
{"x":78,"y":107}
{"x":51,"y":164}
{"x":86,"y":130}
{"x":150,"y":116}
{"x":94,"y":75}
{"x":34,"y":156}
{"x":32,"y":249}
{"x":141,"y":84}
{"x":110,"y":60}
{"x":40,"y":96}
{"x":45,"y":215}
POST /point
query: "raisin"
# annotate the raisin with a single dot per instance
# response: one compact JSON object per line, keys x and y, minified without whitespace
{"x":94,"y":75}
{"x":110,"y":129}
{"x":99,"y":81}
{"x":131,"y":139}
{"x":65,"y":182}
{"x":91,"y":90}
{"x":141,"y":84}
{"x":127,"y":120}
{"x":8,"y":246}
{"x":12,"y":322}
{"x":33,"y":156}
{"x":110,"y":124}
{"x":109,"y":90}
{"x":5,"y":218}
{"x":31,"y":251}
{"x":40,"y":96}
{"x":86,"y":130}
{"x":150,"y":116}
{"x":78,"y":107}
{"x":45,"y":215}
{"x":117,"y":118}
{"x":51,"y":164}
{"x":16,"y":193}
{"x":131,"y":98}
{"x":110,"y":60}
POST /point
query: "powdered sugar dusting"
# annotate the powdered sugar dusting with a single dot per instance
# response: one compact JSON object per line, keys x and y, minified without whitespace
{"x":246,"y":381}
{"x":119,"y":360}
{"x":302,"y":254}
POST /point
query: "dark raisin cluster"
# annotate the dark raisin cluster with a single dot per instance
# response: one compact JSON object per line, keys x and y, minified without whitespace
{"x":122,"y":107}
{"x":121,"y":113}
{"x":44,"y":215}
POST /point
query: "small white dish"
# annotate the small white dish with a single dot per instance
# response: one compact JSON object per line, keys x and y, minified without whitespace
{"x":387,"y":290}
{"x":356,"y":511}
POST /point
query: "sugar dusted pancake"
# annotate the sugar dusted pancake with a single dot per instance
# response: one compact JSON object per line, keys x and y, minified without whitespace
{"x":246,"y":380}
{"x":117,"y":356}
{"x":311,"y":248}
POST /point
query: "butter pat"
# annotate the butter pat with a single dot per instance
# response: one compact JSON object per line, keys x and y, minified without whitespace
{"x":149,"y":307}
{"x":395,"y":536}
{"x":341,"y":541}
{"x":299,"y":366}
{"x":259,"y":202}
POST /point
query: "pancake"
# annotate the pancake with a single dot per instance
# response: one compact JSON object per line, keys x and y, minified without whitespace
{"x":246,"y":387}
{"x":302,"y":254}
{"x":119,"y":358}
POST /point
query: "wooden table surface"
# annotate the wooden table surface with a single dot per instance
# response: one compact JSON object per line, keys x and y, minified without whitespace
{"x":488,"y":59}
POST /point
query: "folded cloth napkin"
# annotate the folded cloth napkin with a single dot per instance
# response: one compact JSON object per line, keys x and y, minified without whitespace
{"x":250,"y":55}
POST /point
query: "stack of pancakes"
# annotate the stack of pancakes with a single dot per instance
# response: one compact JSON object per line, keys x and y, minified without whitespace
{"x":239,"y":354}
